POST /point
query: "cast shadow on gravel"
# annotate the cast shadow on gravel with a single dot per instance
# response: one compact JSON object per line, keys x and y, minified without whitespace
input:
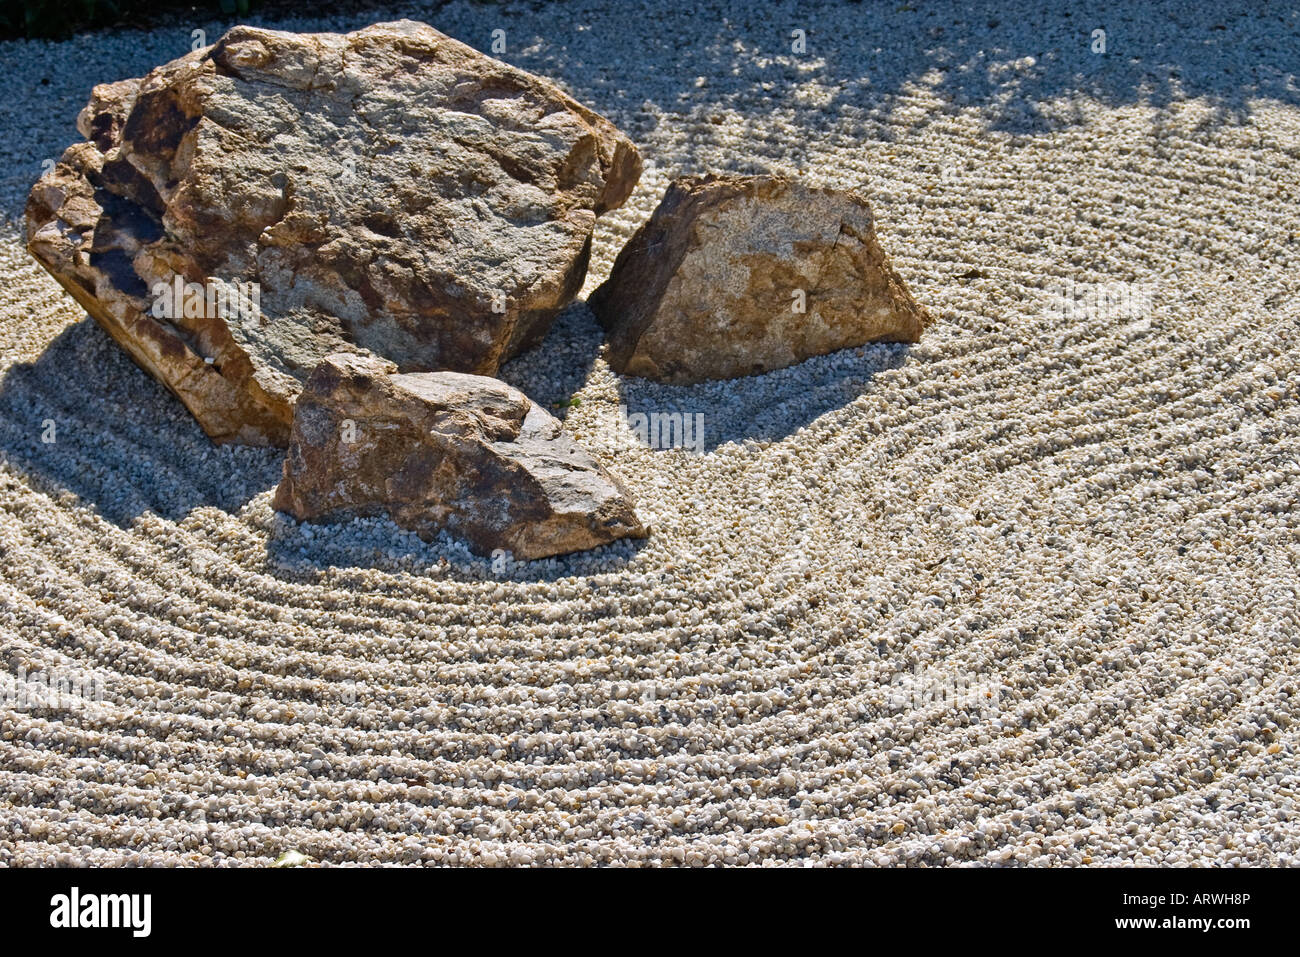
{"x":558,"y":367}
{"x":84,"y":418}
{"x":1026,"y":70}
{"x":763,"y":408}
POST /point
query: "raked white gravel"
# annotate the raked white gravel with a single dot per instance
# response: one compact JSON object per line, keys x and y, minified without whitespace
{"x":1024,"y":593}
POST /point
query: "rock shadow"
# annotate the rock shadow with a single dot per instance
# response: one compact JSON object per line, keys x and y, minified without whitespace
{"x":84,"y":418}
{"x":554,"y":371}
{"x":763,"y":408}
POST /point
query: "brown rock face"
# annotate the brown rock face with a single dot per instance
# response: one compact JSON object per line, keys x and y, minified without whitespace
{"x":446,"y":450}
{"x":389,"y":191}
{"x":738,"y":275}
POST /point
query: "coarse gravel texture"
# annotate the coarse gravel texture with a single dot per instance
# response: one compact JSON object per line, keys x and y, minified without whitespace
{"x":1025,"y":592}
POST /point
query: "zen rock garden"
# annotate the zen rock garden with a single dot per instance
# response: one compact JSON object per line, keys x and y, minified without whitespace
{"x":382,"y":219}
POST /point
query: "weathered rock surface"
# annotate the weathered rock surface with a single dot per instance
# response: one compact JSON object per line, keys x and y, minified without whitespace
{"x":447,"y":450}
{"x":712,"y":285}
{"x":390,"y":191}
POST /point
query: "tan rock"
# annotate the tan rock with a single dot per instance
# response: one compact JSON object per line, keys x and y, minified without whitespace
{"x":390,"y":191}
{"x":447,"y":450}
{"x":738,"y":275}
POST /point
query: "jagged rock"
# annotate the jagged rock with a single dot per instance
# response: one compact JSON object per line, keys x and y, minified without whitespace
{"x":712,"y":287}
{"x":390,"y":191}
{"x":447,"y":450}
